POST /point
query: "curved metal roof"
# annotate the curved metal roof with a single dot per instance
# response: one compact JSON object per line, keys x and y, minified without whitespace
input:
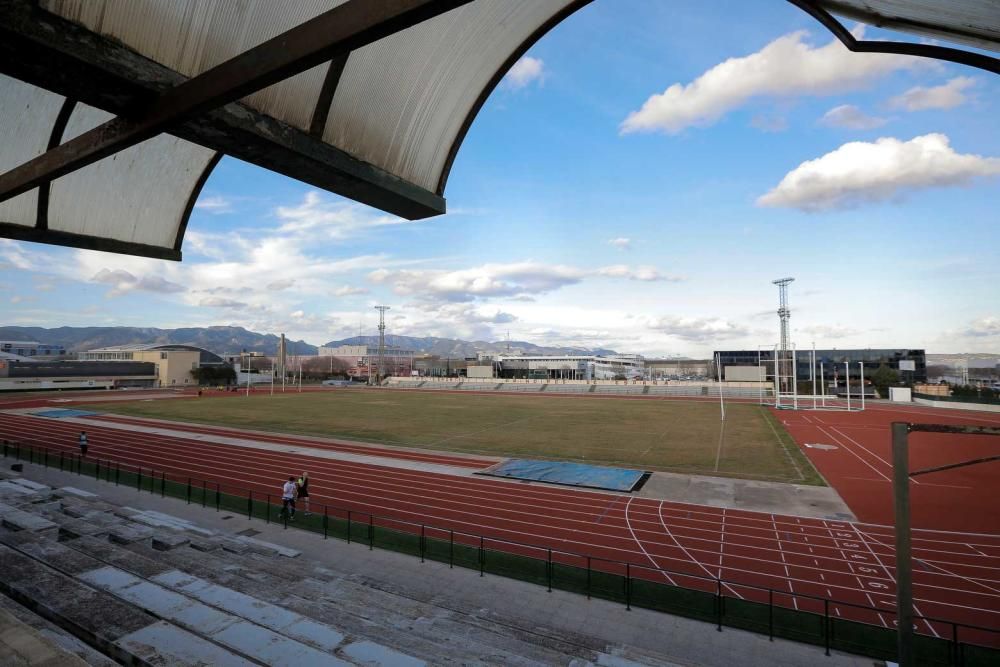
{"x":114,"y":112}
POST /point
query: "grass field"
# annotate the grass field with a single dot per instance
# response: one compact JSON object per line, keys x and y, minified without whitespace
{"x":669,"y":435}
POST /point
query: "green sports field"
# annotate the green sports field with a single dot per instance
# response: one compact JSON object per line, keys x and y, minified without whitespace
{"x":670,"y":435}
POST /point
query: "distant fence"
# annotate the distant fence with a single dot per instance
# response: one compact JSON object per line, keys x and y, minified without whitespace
{"x":557,"y":387}
{"x":833,"y":624}
{"x":992,"y":400}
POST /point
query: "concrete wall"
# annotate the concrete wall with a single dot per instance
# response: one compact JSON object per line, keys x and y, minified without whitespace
{"x":479,"y":372}
{"x":744,"y":374}
{"x":978,"y":407}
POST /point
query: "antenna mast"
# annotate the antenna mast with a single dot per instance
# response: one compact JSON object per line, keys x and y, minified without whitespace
{"x":784,"y":314}
{"x":381,"y":342}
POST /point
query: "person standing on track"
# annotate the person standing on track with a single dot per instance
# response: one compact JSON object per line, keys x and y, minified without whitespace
{"x":288,"y":493}
{"x":83,"y":444}
{"x":303,"y":490}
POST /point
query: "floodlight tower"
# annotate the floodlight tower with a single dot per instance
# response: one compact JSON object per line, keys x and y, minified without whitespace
{"x":381,"y":342}
{"x":783,"y":314}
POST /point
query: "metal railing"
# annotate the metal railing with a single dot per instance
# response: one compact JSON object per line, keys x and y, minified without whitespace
{"x":831,"y":623}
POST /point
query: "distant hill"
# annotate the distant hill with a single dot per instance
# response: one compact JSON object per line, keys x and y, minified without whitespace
{"x":220,"y":340}
{"x":460,"y":349}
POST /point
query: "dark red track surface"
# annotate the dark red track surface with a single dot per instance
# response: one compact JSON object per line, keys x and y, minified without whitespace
{"x":957,"y":575}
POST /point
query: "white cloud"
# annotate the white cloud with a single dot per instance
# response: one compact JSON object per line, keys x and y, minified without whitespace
{"x":769,"y":123}
{"x":525,"y":71}
{"x":220,"y":302}
{"x":822,"y":331}
{"x":280,"y":284}
{"x":622,"y":243}
{"x":215,"y":204}
{"x":125,"y":282}
{"x":698,"y":329}
{"x":851,"y":117}
{"x":348,"y":290}
{"x":516,"y":280}
{"x":946,"y":96}
{"x":643,"y":273}
{"x":335,"y":219}
{"x":785,"y":67}
{"x":983,"y":327}
{"x":488,"y":280}
{"x":860,"y":172}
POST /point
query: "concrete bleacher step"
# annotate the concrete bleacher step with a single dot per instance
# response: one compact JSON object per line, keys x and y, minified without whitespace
{"x":114,"y":627}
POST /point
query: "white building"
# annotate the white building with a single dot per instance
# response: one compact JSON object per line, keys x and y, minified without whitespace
{"x":572,"y":367}
{"x":32,"y":349}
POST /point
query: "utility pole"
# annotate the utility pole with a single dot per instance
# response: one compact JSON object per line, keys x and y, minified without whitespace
{"x":783,"y":315}
{"x":381,"y":343}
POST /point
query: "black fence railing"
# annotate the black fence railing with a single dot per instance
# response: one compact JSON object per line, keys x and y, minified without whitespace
{"x":833,"y":624}
{"x":983,"y":398}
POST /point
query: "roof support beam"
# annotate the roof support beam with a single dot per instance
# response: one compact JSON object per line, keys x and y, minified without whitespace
{"x":329,"y":35}
{"x":970,"y":58}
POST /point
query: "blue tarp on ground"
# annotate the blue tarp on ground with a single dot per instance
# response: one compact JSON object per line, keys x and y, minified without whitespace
{"x":572,"y":474}
{"x":59,"y":413}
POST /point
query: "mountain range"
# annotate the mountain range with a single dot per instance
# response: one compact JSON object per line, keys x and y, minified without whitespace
{"x":227,"y":339}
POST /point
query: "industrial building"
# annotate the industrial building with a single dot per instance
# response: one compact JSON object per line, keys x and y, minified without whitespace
{"x":172,"y":364}
{"x":28,"y":374}
{"x":911,"y":364}
{"x":32,"y":349}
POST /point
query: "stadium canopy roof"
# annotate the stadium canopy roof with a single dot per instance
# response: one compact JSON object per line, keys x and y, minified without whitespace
{"x":113,"y":113}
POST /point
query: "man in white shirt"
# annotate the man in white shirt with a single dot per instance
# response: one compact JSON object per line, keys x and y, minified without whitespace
{"x":288,"y":493}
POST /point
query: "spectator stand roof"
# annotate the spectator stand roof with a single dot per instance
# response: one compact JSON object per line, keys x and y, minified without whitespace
{"x":113,"y":113}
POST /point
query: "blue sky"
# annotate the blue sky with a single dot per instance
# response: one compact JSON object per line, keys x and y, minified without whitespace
{"x":637,"y":182}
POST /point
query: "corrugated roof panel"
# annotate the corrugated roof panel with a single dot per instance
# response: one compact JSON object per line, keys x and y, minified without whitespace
{"x":972,"y":22}
{"x":191,"y":36}
{"x":28,"y":114}
{"x":138,"y":195}
{"x":402,"y":100}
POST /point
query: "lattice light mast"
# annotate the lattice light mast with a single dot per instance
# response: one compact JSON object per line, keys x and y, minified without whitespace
{"x":381,"y":342}
{"x":784,"y":314}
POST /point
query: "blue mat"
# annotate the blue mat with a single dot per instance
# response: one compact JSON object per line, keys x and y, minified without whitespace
{"x":570,"y":474}
{"x":59,"y":413}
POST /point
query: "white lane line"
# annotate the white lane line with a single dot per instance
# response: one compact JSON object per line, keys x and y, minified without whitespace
{"x":788,"y":576}
{"x":861,"y":585}
{"x":693,"y":559}
{"x":946,"y":572}
{"x":651,"y":560}
{"x":855,"y":454}
{"x":862,"y":538}
{"x":887,"y":464}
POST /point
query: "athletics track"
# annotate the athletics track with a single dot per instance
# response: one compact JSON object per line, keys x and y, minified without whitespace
{"x":956,"y":572}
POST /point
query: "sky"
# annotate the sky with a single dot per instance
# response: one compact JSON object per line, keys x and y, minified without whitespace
{"x":635,"y":182}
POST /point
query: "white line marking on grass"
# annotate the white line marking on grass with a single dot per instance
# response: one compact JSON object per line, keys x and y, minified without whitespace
{"x":718,"y":451}
{"x":781,"y":444}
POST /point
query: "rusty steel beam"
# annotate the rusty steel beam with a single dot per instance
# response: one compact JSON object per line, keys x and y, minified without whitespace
{"x":336,"y":32}
{"x":960,"y":464}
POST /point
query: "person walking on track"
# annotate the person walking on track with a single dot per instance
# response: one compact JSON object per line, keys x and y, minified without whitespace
{"x":288,"y":493}
{"x":83,"y":444}
{"x":303,"y":488}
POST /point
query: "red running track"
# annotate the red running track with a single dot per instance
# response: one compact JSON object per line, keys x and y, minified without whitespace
{"x":860,"y":465}
{"x":957,"y":577}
